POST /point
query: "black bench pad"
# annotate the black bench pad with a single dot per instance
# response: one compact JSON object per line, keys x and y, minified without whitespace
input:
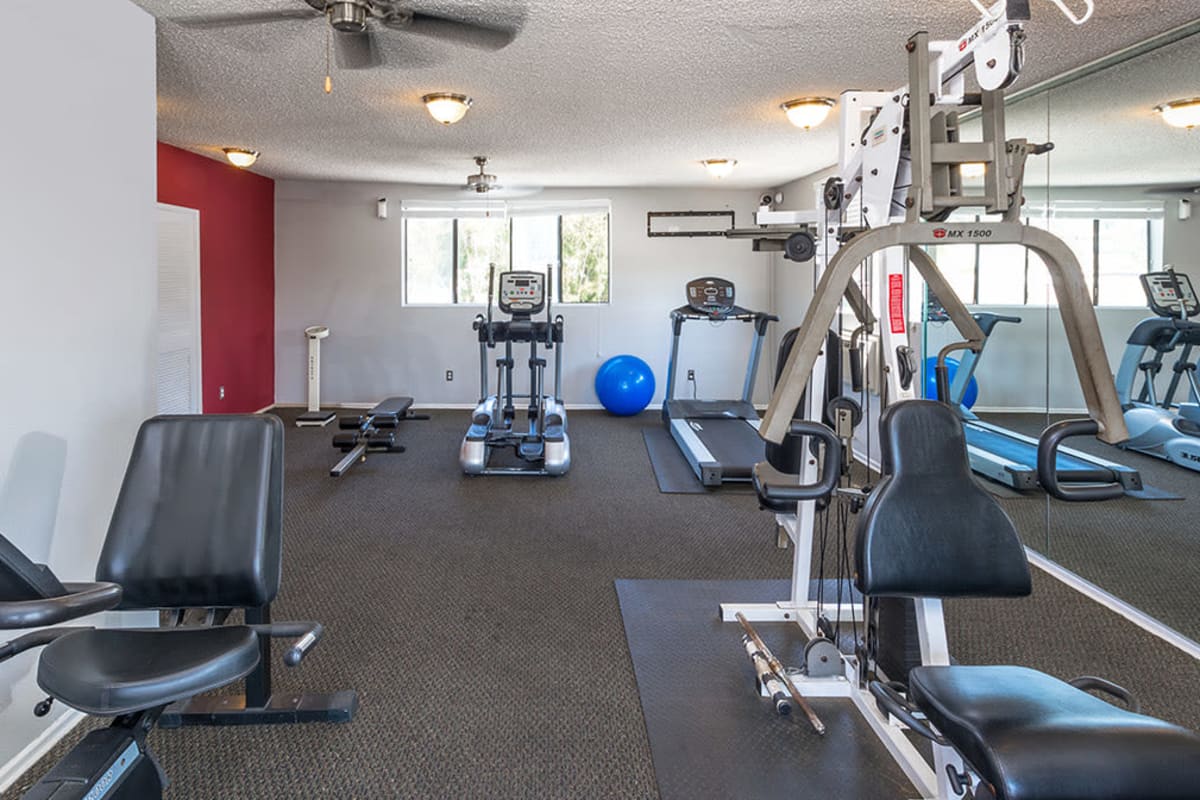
{"x":1033,"y":736}
{"x":112,"y":671}
{"x":392,"y":407}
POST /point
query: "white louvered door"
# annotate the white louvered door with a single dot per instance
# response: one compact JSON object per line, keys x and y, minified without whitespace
{"x":178,"y":368}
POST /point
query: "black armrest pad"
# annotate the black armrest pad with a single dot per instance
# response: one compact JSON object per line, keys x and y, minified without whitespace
{"x":21,"y":579}
{"x":81,"y":600}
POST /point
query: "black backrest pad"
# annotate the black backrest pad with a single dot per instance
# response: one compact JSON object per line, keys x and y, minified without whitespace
{"x":928,"y":529}
{"x":21,"y":579}
{"x":198,"y":522}
{"x":788,"y":456}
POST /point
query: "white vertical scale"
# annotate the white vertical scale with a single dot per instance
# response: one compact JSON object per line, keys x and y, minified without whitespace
{"x":314,"y":417}
{"x":178,"y":369}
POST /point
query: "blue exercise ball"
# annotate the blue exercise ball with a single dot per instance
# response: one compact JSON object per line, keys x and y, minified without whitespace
{"x":969,"y":397}
{"x":625,"y":385}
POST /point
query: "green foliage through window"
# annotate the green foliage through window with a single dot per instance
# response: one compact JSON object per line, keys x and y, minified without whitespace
{"x":447,"y":258}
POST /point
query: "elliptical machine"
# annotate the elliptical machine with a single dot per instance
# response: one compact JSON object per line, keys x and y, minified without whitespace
{"x":1162,"y":428}
{"x":541,"y":447}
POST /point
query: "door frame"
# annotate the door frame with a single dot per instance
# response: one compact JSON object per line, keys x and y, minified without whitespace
{"x":198,"y":373}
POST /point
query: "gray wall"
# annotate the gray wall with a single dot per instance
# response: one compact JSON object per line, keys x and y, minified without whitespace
{"x":338,"y":265}
{"x":77,"y":266}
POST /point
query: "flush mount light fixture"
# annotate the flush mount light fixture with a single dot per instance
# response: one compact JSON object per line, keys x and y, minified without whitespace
{"x":719,"y":167}
{"x":972,"y":169}
{"x":808,"y":112}
{"x":447,"y":107}
{"x":1181,"y":113}
{"x":240,"y":157}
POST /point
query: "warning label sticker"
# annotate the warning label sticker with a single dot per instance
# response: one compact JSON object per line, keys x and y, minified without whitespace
{"x":896,"y":302}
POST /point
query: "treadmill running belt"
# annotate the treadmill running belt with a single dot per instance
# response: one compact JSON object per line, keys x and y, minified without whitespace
{"x":1021,"y":452}
{"x":734,"y":445}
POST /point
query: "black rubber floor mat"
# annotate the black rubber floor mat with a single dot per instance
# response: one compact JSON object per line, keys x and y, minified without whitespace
{"x":672,"y":470}
{"x":711,"y":735}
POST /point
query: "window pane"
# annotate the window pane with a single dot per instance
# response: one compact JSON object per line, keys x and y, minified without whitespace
{"x":957,"y":265}
{"x":1124,"y":253}
{"x":585,"y":258}
{"x":1079,"y":235}
{"x":481,"y":242}
{"x":534,"y":242}
{"x":429,"y":247}
{"x":1002,"y":275}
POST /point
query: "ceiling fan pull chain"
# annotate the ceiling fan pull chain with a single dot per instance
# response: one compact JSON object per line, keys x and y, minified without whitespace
{"x":329,"y":40}
{"x":328,"y":69}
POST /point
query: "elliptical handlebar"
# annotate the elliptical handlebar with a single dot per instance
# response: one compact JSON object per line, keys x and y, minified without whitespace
{"x":549,"y":301}
{"x":491,"y":335}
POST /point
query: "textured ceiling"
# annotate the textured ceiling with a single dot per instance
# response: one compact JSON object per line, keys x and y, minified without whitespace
{"x":1104,"y":127}
{"x":612,"y":93}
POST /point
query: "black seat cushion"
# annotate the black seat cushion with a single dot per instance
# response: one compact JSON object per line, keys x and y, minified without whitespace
{"x":929,"y":529}
{"x":113,"y":671}
{"x":198,"y":521}
{"x":1033,"y":736}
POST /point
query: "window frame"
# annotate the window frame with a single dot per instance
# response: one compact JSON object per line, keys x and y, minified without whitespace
{"x":455,"y":213}
{"x":1093,"y":268}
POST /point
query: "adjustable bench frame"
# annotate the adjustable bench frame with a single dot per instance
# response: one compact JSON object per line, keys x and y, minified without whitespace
{"x":374,"y":432}
{"x":258,"y":704}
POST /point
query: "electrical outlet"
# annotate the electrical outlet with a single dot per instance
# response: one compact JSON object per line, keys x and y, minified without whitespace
{"x":449,"y":375}
{"x":691,"y":374}
{"x":220,"y":392}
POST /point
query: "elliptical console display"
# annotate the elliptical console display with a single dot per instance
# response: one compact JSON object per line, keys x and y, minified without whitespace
{"x":522,"y":293}
{"x":1170,"y":294}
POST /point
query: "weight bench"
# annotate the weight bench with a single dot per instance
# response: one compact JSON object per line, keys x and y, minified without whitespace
{"x":373,"y":432}
{"x":197,"y":524}
{"x":929,"y":531}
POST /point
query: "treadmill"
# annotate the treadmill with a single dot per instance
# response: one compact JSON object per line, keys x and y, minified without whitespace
{"x":1011,"y":458}
{"x":719,"y":438}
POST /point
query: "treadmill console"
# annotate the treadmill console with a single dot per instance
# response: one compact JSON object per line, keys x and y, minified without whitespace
{"x":710,"y":296}
{"x":522,"y":293}
{"x":1167,"y":291}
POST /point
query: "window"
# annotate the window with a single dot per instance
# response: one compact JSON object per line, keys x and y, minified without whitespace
{"x":448,"y":250}
{"x":1114,"y":245}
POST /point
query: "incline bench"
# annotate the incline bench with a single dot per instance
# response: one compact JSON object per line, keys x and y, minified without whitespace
{"x":373,"y":432}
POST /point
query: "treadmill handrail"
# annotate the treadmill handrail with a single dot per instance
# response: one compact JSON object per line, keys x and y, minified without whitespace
{"x":737,"y":313}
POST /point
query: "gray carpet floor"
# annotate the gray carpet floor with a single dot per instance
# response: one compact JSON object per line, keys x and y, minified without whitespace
{"x":478,"y":620}
{"x":1145,"y":552}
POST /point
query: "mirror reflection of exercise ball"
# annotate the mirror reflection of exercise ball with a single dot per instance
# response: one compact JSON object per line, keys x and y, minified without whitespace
{"x":625,"y":385}
{"x":969,"y":396}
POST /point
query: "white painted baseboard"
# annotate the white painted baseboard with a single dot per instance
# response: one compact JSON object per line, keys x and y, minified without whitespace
{"x":19,"y":764}
{"x":1027,"y":410}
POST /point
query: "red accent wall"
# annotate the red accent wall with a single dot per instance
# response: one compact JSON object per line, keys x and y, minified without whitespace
{"x":237,"y":275}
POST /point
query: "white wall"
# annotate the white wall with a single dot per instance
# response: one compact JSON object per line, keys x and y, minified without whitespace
{"x":77,"y":290}
{"x":338,"y":265}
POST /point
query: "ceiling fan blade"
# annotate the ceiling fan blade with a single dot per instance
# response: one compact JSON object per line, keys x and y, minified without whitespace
{"x":255,"y":18}
{"x":357,"y":50}
{"x":471,"y":34}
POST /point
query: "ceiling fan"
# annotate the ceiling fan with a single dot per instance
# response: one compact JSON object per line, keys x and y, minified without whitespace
{"x":360,"y":26}
{"x":484,"y":183}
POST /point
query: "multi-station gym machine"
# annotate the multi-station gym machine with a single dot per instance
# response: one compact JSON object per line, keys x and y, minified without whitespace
{"x":898,"y":181}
